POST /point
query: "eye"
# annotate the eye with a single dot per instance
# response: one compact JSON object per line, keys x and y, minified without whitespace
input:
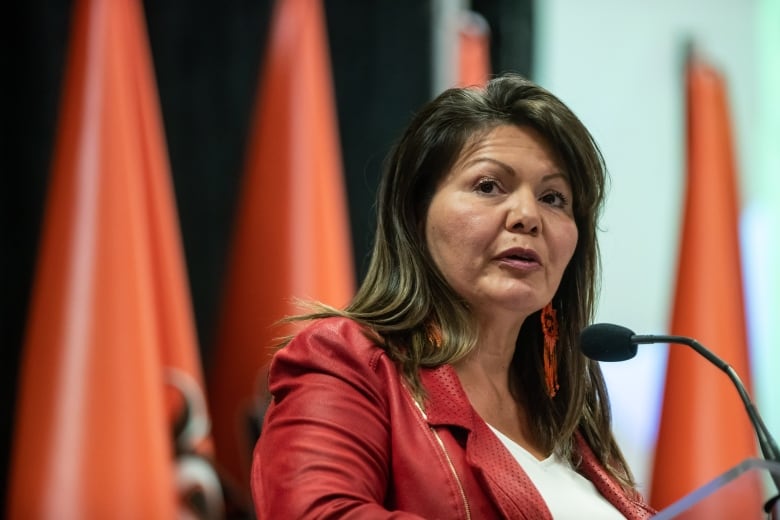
{"x":555,"y":199}
{"x":487,"y":186}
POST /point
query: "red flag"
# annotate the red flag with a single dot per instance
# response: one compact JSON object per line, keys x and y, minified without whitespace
{"x":110,"y":308}
{"x":704,"y":428}
{"x":474,"y":50}
{"x":292,"y":231}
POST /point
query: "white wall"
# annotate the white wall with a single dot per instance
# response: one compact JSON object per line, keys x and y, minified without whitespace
{"x":618,"y":65}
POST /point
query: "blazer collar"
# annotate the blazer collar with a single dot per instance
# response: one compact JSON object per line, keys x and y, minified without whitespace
{"x":448,"y":405}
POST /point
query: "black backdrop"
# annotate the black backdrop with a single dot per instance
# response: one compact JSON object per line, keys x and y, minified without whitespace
{"x":207,"y":58}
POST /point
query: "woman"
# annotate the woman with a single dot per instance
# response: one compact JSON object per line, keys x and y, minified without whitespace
{"x":452,"y":386}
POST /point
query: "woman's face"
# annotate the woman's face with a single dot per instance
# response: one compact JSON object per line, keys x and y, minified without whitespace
{"x":500,"y":225}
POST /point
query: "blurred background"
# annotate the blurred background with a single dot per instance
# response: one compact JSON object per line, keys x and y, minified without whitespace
{"x":619,"y":65}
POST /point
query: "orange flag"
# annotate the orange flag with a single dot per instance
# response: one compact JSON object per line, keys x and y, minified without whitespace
{"x":474,"y":50}
{"x":704,"y":427}
{"x":110,"y":315}
{"x":292,"y":230}
{"x":177,"y":339}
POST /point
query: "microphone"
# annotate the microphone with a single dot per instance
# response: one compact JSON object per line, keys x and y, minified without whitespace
{"x":609,"y":342}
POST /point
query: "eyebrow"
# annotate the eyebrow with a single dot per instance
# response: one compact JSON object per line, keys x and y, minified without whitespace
{"x":509,"y":169}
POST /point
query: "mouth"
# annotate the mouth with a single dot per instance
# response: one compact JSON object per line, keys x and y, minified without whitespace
{"x":521,"y":255}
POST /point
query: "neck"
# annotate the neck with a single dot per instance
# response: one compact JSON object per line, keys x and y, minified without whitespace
{"x":496,"y":344}
{"x":488,"y":364}
{"x":484,"y":375}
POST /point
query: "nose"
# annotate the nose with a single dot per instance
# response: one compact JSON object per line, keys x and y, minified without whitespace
{"x":523,"y":216}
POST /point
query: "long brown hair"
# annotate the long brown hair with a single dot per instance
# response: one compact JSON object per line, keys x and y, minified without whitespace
{"x":404,"y":296}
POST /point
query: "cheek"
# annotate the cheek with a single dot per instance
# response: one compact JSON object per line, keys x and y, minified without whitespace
{"x":451,"y":236}
{"x":566,"y":243}
{"x":442,"y":241}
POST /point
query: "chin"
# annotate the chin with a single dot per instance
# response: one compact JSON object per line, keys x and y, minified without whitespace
{"x":516,"y":306}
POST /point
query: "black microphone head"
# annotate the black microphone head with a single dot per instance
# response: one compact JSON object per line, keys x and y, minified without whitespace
{"x":607,"y":342}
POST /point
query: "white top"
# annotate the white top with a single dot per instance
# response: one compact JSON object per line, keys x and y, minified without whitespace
{"x":568,"y":494}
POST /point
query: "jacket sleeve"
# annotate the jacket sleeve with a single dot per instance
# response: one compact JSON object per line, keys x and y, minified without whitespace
{"x":324,"y":448}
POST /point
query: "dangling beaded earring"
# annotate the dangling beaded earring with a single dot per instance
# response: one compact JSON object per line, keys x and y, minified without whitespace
{"x":550,"y":330}
{"x":433,"y":333}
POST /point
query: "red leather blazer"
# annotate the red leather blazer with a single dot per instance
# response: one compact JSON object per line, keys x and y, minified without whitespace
{"x":343,"y":438}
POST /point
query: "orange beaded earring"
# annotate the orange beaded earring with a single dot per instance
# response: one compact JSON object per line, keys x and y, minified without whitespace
{"x":433,"y":333}
{"x":550,"y":330}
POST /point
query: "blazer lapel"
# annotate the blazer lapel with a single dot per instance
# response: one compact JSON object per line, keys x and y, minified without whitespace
{"x":501,"y":475}
{"x":632,"y":507}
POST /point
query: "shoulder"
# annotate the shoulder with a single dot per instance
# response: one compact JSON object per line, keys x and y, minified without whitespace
{"x":334,"y":328}
{"x":331,"y":341}
{"x":329,"y":360}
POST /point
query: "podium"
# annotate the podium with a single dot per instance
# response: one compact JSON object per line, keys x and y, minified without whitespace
{"x":701,"y":503}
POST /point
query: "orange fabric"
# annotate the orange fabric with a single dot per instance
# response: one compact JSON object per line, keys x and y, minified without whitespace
{"x":292,"y":230}
{"x":474,"y":51}
{"x":110,"y":307}
{"x":176,"y":336}
{"x":704,"y":427}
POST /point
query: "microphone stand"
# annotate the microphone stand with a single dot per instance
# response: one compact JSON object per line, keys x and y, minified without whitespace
{"x":766,"y":442}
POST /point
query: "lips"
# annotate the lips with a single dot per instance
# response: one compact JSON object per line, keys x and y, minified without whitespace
{"x":521,"y":255}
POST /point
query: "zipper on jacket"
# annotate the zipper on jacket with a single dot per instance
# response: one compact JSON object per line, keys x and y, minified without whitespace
{"x":466,"y":505}
{"x":455,"y":473}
